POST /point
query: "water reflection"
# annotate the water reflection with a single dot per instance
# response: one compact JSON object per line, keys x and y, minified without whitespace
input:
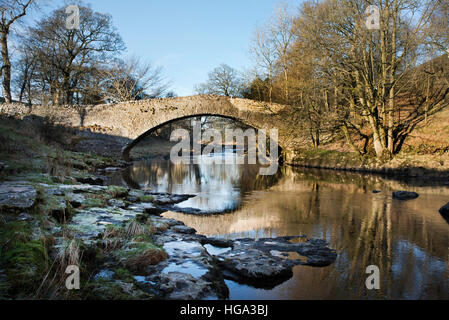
{"x":219,"y":187}
{"x":409,"y":241}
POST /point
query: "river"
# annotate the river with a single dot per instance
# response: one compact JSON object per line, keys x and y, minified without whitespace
{"x":407,"y":240}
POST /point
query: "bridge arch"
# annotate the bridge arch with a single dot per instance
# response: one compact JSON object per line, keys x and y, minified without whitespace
{"x":127,"y":149}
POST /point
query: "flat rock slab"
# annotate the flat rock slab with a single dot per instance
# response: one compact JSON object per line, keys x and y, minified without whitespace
{"x":405,"y":195}
{"x":117,"y":203}
{"x":17,"y":196}
{"x":183,"y":286}
{"x":189,"y":273}
{"x":90,"y":223}
{"x":81,"y":188}
{"x":170,"y":199}
{"x":151,"y":209}
{"x":266,"y":263}
{"x":183,"y":229}
{"x":96,"y":181}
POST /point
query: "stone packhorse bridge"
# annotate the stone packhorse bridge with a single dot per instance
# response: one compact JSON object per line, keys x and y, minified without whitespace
{"x":134,"y":120}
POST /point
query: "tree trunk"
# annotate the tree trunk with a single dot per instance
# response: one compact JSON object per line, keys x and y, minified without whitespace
{"x":286,"y":83}
{"x":6,"y":68}
{"x":345,"y":130}
{"x":379,"y":147}
{"x":391,"y":121}
{"x":270,"y":89}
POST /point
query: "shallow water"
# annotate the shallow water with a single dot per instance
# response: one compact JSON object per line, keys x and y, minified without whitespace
{"x":407,"y":240}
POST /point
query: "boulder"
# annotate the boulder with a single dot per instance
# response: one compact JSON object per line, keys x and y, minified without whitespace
{"x":75,"y":200}
{"x":151,"y":209}
{"x":189,"y":273}
{"x":405,"y":195}
{"x":91,"y":180}
{"x":266,"y":263}
{"x":183,"y":229}
{"x":183,"y":286}
{"x":170,"y":199}
{"x":117,"y":203}
{"x":24,"y":217}
{"x":112,"y":169}
{"x":17,"y":196}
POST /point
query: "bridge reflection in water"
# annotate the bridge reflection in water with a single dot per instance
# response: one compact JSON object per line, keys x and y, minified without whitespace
{"x":407,"y":240}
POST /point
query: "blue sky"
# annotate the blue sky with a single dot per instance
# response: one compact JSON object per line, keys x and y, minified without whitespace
{"x":188,"y":38}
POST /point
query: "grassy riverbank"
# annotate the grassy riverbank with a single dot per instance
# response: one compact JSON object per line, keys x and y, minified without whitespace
{"x":36,"y":148}
{"x":37,"y":167}
{"x":426,"y":166}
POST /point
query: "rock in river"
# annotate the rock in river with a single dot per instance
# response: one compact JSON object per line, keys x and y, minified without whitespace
{"x":17,"y":196}
{"x":266,"y":263}
{"x":405,"y":195}
{"x":189,"y":273}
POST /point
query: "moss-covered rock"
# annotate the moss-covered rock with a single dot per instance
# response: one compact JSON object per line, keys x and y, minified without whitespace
{"x":117,"y":192}
{"x":17,"y":196}
{"x":146,"y":198}
{"x":103,"y":289}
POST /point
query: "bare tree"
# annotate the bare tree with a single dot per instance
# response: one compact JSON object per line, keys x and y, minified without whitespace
{"x":283,"y":36}
{"x":223,"y":80}
{"x":132,"y":80}
{"x":372,"y":67}
{"x":26,"y":73}
{"x":263,"y":51}
{"x":65,"y":57}
{"x":254,"y":87}
{"x":439,"y":25}
{"x":10,"y":11}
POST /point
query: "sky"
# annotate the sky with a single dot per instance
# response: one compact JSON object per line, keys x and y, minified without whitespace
{"x":187,"y":38}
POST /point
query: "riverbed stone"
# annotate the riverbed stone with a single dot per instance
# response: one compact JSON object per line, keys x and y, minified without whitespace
{"x":111,"y":169}
{"x":75,"y":200}
{"x":59,"y":210}
{"x":91,"y":180}
{"x":105,"y":289}
{"x":79,"y":188}
{"x":190,"y":272}
{"x":405,"y":195}
{"x":170,"y":199}
{"x":183,"y":229}
{"x":17,"y":196}
{"x":151,"y":209}
{"x":25,"y":217}
{"x":104,"y":274}
{"x":183,"y":286}
{"x":90,"y":223}
{"x":264,"y":263}
{"x":117,"y":203}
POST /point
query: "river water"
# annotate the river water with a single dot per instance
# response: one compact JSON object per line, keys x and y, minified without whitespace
{"x":407,"y":240}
